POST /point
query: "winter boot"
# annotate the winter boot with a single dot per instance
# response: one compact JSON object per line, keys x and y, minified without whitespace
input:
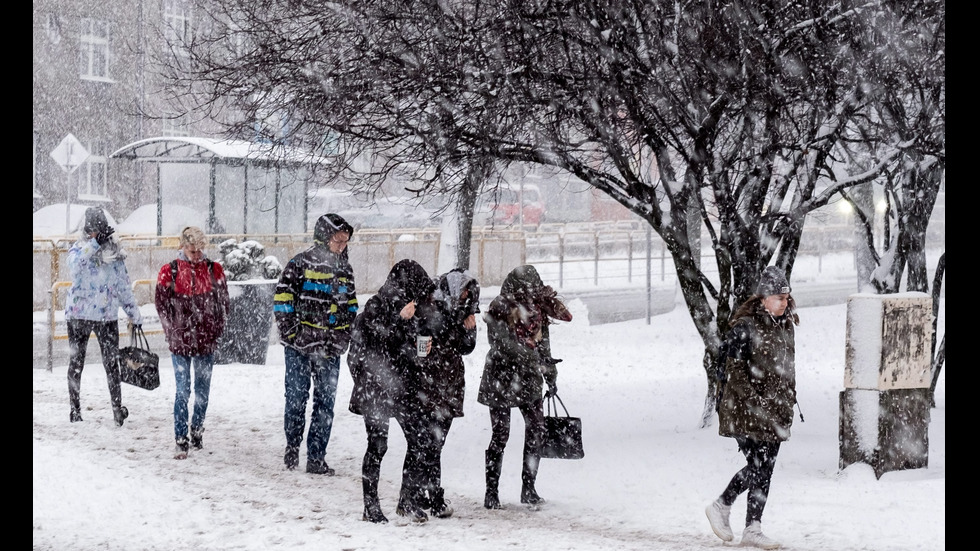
{"x":529,"y":496}
{"x":372,"y":505}
{"x":75,"y":416}
{"x":528,"y":475}
{"x":440,"y":506}
{"x":197,"y":438}
{"x":180,"y":452}
{"x":408,"y":508}
{"x":718,"y":514}
{"x":753,"y":537}
{"x":373,"y":513}
{"x":120,"y":414}
{"x":318,"y":467}
{"x":492,"y":499}
{"x":291,"y":457}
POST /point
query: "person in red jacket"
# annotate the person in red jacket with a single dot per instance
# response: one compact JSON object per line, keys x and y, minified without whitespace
{"x":192,"y":302}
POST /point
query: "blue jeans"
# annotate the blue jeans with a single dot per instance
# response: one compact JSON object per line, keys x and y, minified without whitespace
{"x":324,"y":373}
{"x":202,"y":389}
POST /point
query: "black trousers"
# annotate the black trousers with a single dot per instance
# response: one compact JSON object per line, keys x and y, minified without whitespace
{"x":438,"y":426}
{"x":533,"y":436}
{"x":418,"y":446}
{"x":755,"y":477}
{"x":107,"y":333}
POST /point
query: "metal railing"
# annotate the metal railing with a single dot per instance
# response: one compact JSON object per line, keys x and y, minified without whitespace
{"x":579,"y":253}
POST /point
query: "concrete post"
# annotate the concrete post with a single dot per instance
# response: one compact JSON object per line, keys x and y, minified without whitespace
{"x":885,"y":405}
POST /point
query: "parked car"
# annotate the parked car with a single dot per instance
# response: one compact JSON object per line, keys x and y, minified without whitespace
{"x":323,"y":200}
{"x":364,"y":212}
{"x":504,"y":207}
{"x":392,"y":214}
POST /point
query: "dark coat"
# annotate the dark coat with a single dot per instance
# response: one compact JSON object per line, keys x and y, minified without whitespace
{"x":442,"y":381}
{"x":519,"y":360}
{"x":316,"y":302}
{"x":193,"y":308}
{"x":760,"y":392}
{"x":383,"y":361}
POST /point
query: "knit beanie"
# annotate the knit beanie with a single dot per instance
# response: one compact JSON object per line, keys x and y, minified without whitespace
{"x":773,"y":282}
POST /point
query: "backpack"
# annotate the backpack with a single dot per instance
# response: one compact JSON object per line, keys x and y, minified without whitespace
{"x":735,"y":345}
{"x":173,"y":274}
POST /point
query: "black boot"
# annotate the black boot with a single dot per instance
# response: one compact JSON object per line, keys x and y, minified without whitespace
{"x":529,"y":495}
{"x":492,"y":499}
{"x":372,"y":505}
{"x":291,"y":457}
{"x":407,"y":507}
{"x":528,"y":475}
{"x":440,"y":507}
{"x":197,"y":438}
{"x":119,"y":414}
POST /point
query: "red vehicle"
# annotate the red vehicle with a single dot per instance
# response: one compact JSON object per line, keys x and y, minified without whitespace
{"x":508,"y":212}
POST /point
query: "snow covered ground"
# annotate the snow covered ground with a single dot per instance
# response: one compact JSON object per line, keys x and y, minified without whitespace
{"x":648,"y":471}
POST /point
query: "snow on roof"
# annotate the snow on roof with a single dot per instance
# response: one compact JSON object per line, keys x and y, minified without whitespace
{"x":193,"y":149}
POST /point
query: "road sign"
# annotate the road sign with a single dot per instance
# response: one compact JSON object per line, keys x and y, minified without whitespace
{"x":70,"y":153}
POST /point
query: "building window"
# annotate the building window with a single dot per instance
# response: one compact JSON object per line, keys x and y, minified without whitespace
{"x":177,"y":25}
{"x":92,"y":175}
{"x":94,"y":52}
{"x":53,"y":28}
{"x":176,"y":125}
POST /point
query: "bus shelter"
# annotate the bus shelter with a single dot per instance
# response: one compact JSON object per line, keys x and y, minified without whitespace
{"x":238,"y":187}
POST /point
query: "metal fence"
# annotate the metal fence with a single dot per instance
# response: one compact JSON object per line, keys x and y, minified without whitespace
{"x":372,"y":253}
{"x":578,"y":254}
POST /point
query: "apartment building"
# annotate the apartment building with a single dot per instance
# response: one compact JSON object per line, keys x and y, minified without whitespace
{"x":94,"y":80}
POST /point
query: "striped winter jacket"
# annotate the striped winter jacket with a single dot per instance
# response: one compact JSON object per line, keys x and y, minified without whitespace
{"x":316,"y":302}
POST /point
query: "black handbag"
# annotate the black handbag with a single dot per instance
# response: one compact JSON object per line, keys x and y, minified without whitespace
{"x":137,"y":365}
{"x":562,"y":435}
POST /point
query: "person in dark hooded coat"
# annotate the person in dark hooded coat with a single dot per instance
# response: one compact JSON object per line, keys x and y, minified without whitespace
{"x":518,"y":365}
{"x":383,"y":362}
{"x":756,"y":407}
{"x":450,"y":318}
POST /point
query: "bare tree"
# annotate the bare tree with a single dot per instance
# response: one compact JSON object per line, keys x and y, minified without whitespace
{"x":727,"y":121}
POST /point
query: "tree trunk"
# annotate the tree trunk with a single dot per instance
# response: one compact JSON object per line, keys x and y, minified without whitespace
{"x":864,"y":258}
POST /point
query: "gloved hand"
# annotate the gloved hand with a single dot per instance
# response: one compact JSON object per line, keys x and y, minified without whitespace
{"x":552,"y":390}
{"x":104,"y":234}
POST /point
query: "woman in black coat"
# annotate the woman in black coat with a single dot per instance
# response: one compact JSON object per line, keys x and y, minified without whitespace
{"x":756,"y":407}
{"x":518,"y":365}
{"x":450,"y":318}
{"x":384,"y":364}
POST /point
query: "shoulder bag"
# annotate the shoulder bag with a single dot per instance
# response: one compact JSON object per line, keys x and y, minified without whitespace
{"x":563,"y":434}
{"x":137,"y":365}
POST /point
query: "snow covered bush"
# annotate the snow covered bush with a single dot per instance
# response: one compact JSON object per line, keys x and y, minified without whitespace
{"x":247,"y":260}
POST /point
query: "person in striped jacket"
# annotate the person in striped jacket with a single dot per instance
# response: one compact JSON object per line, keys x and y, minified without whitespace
{"x":315,"y":307}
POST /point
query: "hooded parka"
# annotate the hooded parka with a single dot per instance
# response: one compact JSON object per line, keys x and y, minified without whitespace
{"x":442,"y":376}
{"x":760,"y":392}
{"x":316,"y":300}
{"x":519,"y":361}
{"x":383,"y":358}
